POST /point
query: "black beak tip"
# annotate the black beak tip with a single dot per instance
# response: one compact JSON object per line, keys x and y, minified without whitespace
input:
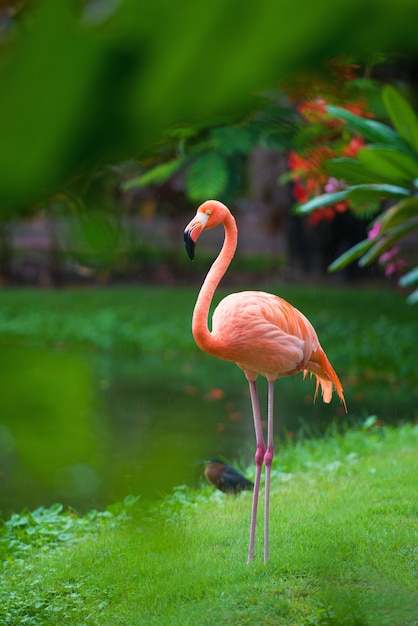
{"x":190,"y":244}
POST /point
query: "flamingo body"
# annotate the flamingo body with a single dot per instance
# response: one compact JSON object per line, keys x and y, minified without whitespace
{"x":261,"y":333}
{"x":268,"y":336}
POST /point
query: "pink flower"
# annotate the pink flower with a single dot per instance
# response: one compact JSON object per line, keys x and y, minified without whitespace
{"x":392,"y":268}
{"x":373,"y":232}
{"x":333,"y":185}
{"x":393,"y":265}
{"x":389,"y":255}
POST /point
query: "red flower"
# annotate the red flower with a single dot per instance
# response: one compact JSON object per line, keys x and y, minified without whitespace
{"x":296,"y":162}
{"x":327,"y":213}
{"x":358,"y":108}
{"x":396,"y":266}
{"x":300,"y":192}
{"x":353,"y":147}
{"x":309,"y":171}
{"x":313,"y":110}
{"x":341,"y":207}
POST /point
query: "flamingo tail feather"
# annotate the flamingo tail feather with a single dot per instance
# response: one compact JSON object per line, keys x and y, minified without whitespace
{"x":326,"y":377}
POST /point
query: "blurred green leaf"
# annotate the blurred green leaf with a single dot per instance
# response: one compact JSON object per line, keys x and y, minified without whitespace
{"x":348,"y":170}
{"x":351,"y":255}
{"x":323,"y":200}
{"x":413,"y":297}
{"x":388,"y":164}
{"x":45,"y":88}
{"x":390,"y":238}
{"x":369,"y":422}
{"x":207,"y":177}
{"x":371,"y":130}
{"x":398,"y":214}
{"x":409,"y":278}
{"x":231,"y":140}
{"x":377,"y":190}
{"x":402,"y":115}
{"x":80,"y":93}
{"x":355,"y":192}
{"x":95,"y":239}
{"x":156,"y":175}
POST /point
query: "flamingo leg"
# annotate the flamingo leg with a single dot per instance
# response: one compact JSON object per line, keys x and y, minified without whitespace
{"x":259,"y":458}
{"x":268,"y":458}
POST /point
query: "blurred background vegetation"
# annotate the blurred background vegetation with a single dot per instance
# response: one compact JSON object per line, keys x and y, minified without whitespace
{"x":117,"y":117}
{"x":117,"y":114}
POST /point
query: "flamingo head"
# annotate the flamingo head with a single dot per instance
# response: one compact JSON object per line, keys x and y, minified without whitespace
{"x":209,"y":214}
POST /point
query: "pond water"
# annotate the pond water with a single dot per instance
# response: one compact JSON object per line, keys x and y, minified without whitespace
{"x":87,"y":430}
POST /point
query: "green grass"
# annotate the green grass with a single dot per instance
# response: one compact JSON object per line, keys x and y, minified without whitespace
{"x":344,"y":530}
{"x":343,"y":550}
{"x":376,"y":326}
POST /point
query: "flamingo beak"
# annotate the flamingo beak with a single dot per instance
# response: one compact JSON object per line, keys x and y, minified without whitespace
{"x":192,"y":232}
{"x":189,"y":243}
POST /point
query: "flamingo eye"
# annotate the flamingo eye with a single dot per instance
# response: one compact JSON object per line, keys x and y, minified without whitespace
{"x":208,"y":212}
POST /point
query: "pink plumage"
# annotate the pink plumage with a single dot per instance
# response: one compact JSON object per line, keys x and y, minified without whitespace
{"x":262,"y":333}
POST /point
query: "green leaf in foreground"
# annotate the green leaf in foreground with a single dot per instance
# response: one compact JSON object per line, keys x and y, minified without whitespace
{"x":375,"y":132}
{"x":410,"y":278}
{"x":356,"y":192}
{"x":402,"y":115}
{"x":387,"y":242}
{"x":348,"y":170}
{"x":321,"y":201}
{"x":351,"y":255}
{"x":207,"y":177}
{"x":398,"y":214}
{"x":413,"y":297}
{"x":388,"y":164}
{"x":156,"y":175}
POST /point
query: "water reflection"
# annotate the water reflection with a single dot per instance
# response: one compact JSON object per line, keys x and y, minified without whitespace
{"x":88,"y":430}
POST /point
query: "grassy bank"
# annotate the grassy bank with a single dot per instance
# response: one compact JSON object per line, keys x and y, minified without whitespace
{"x":377,"y":327}
{"x":344,"y":530}
{"x":343,"y":551}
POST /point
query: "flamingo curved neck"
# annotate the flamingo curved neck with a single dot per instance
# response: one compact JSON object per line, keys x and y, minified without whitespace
{"x":200,"y":330}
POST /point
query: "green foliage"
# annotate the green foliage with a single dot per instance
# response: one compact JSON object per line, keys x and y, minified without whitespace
{"x":348,"y":169}
{"x":82,"y":88}
{"x":371,"y":130}
{"x":388,"y":164}
{"x":207,"y":177}
{"x":156,"y":175}
{"x":43,"y":528}
{"x":96,"y":240}
{"x":212,"y":156}
{"x":233,"y":140}
{"x":27,"y":536}
{"x":408,"y":279}
{"x":356,"y":192}
{"x":88,"y":88}
{"x":391,"y":162}
{"x":97,"y":383}
{"x":343,"y":541}
{"x":402,"y":116}
{"x":115,"y":320}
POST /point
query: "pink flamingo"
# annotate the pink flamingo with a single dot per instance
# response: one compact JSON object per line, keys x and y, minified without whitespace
{"x":263,"y":334}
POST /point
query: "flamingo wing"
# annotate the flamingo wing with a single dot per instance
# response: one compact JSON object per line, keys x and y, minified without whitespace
{"x":263,"y":334}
